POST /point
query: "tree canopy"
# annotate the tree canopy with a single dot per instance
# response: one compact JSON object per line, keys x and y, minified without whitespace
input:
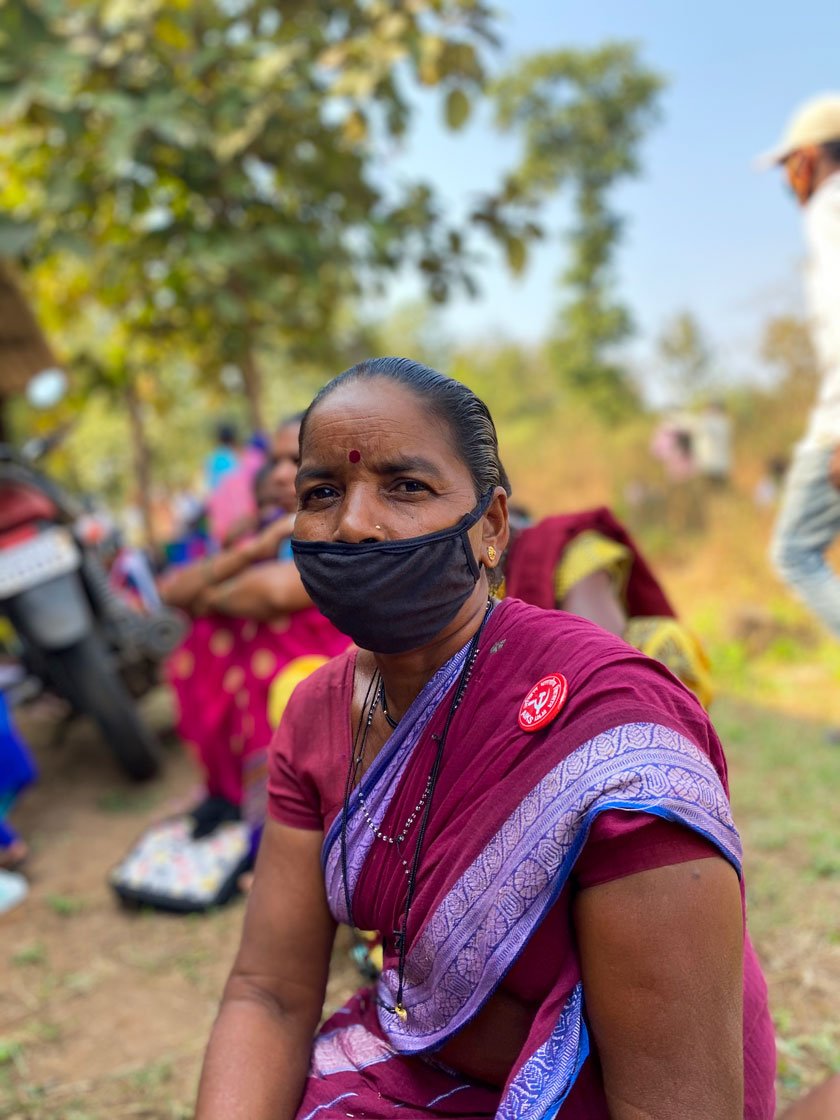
{"x":582,"y":116}
{"x":217,"y":164}
{"x":687,"y":358}
{"x":192,"y":186}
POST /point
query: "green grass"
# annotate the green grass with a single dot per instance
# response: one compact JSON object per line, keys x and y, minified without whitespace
{"x":127,"y":801}
{"x":11,"y":1053}
{"x":785,"y":779}
{"x":151,"y":1078}
{"x":32,"y":954}
{"x":65,"y":905}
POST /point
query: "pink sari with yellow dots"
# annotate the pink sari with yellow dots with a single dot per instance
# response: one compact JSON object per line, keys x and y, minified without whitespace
{"x":222,"y":674}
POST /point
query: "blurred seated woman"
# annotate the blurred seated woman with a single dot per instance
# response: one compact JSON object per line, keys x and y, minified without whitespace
{"x":587,"y":563}
{"x":254,"y":626}
{"x":533,"y":816}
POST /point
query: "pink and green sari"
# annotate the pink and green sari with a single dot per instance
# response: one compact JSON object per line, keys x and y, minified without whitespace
{"x":630,"y":775}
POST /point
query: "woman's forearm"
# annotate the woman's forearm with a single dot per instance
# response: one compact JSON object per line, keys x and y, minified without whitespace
{"x":262,"y":593}
{"x":185,"y":587}
{"x":256,"y":1062}
{"x":258,"y":1056}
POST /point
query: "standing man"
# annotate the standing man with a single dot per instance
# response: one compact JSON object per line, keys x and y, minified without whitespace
{"x":809,"y":519}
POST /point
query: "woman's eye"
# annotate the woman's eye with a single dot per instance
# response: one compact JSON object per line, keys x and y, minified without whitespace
{"x":318,"y":494}
{"x":410,"y":486}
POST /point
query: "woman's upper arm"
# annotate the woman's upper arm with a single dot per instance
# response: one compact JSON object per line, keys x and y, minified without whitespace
{"x":288,"y":932}
{"x":662,"y":965}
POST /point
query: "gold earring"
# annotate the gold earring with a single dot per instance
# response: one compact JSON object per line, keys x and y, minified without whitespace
{"x":491,"y":554}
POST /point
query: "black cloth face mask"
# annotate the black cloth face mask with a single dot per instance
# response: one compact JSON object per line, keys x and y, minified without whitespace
{"x":392,"y":596}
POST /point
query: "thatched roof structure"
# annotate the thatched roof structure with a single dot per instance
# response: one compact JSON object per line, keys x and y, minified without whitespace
{"x":23,"y":349}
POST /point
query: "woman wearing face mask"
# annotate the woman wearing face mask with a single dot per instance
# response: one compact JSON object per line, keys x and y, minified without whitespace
{"x":532,"y":814}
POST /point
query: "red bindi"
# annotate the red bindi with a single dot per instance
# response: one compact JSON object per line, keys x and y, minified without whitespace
{"x":355,"y":456}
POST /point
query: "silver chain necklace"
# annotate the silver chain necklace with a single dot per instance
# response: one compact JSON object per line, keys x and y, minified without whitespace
{"x":371,"y":823}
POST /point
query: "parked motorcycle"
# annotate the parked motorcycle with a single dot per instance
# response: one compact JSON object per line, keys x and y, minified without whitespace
{"x":79,"y":638}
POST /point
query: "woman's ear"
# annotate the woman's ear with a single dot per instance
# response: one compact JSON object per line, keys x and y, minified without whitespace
{"x":801,"y":171}
{"x":494,"y":530}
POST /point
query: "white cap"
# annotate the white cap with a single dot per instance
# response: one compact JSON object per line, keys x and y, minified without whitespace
{"x":814,"y":123}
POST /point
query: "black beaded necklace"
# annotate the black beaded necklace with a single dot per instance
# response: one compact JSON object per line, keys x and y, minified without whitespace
{"x":375,"y":691}
{"x":384,"y":705}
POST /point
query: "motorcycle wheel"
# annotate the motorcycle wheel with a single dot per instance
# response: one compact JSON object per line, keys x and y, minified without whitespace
{"x":87,"y":677}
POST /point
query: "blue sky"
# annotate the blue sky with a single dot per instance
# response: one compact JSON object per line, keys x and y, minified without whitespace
{"x":706,"y":232}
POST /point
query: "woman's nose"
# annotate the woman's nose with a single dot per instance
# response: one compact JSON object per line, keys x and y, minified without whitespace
{"x":358,"y":521}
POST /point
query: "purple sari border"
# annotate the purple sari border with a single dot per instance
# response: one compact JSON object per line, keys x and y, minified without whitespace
{"x":487,"y":917}
{"x":546,"y":1079}
{"x":348,"y":1048}
{"x":328,"y":1104}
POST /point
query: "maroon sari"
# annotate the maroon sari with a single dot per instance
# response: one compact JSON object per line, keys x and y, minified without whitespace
{"x":536,"y":552}
{"x":629,"y":776}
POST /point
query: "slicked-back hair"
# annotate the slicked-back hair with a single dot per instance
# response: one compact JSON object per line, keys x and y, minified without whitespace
{"x":467,"y":417}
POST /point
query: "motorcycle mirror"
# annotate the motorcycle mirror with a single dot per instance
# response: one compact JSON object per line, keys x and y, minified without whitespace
{"x":47,"y":388}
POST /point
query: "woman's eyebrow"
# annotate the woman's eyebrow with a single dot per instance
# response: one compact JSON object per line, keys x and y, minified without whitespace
{"x":408,"y":464}
{"x":309,"y":474}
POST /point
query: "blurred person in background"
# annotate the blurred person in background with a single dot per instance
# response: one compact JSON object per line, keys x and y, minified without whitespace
{"x":254,"y":629}
{"x":232,"y":509}
{"x":587,"y":563}
{"x":672,"y":444}
{"x":713,"y":444}
{"x":224,"y":457}
{"x":768,"y":487}
{"x":809,"y":518}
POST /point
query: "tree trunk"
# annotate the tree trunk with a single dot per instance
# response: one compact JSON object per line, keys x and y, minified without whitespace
{"x":142,"y":459}
{"x":252,"y":377}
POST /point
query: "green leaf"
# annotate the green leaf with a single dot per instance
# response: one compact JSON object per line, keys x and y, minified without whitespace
{"x":517,"y":254}
{"x":457,"y":109}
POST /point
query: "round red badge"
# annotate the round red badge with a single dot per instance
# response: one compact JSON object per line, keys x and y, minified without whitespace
{"x":543,"y":702}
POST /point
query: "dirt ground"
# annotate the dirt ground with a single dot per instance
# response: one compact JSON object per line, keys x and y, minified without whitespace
{"x":105,"y":1013}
